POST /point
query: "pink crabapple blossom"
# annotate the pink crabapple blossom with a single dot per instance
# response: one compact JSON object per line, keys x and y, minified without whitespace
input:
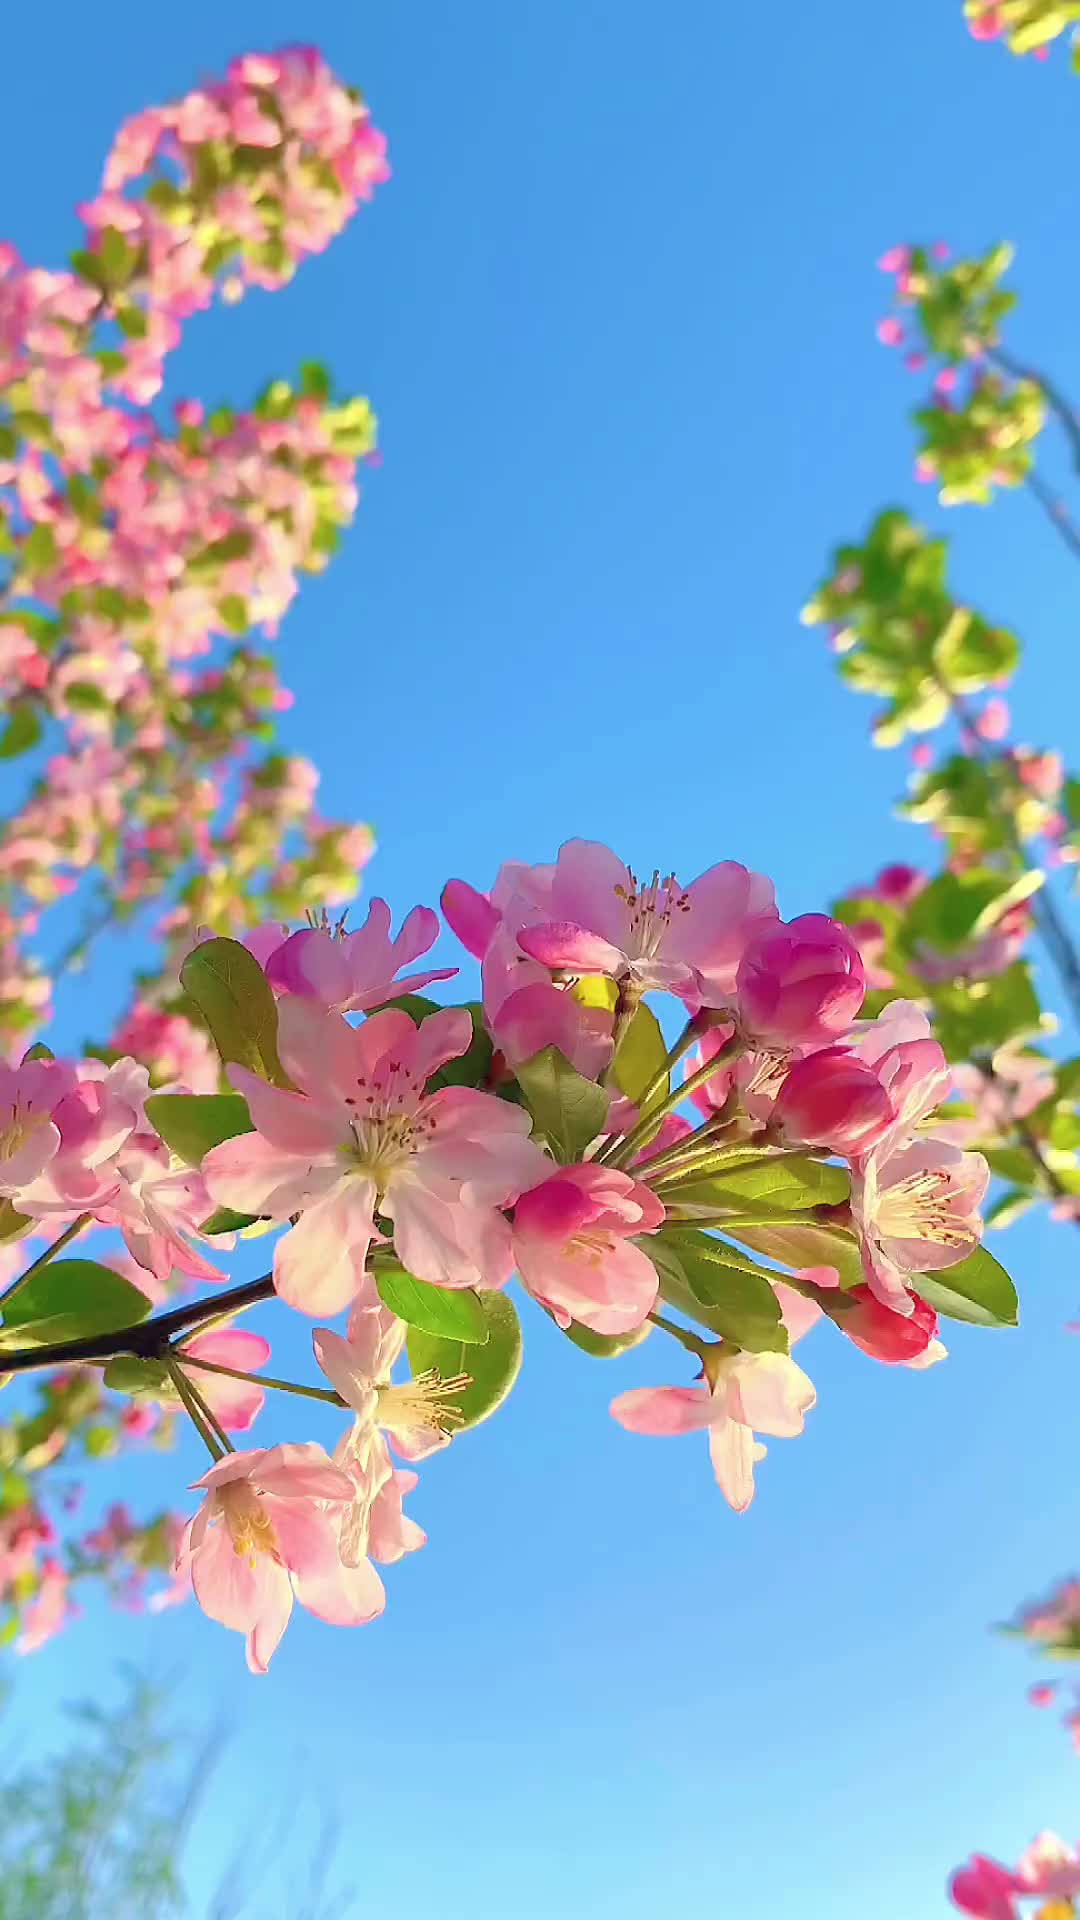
{"x":267,"y":1532}
{"x":362,"y":1135}
{"x":799,"y":983}
{"x":656,"y":936}
{"x":574,"y":1247}
{"x":751,"y":1393}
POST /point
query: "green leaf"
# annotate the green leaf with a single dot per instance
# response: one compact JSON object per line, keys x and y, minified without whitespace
{"x":566,"y":1108}
{"x":315,"y":380}
{"x":806,"y":1244}
{"x":225,"y":1220}
{"x":492,"y":1368}
{"x":977,"y":1289}
{"x":700,"y":1278}
{"x":22,"y":732}
{"x":192,"y":1123}
{"x":117,"y":256}
{"x":14,"y":1224}
{"x":789,"y":1184}
{"x":233,"y":609}
{"x":39,"y":548}
{"x":958,"y":907}
{"x":450,"y":1313}
{"x":68,"y":1300}
{"x":641,"y":1056}
{"x":125,"y":1374}
{"x":605,"y":1346}
{"x":233,"y":995}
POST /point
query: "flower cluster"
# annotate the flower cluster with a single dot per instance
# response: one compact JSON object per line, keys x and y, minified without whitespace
{"x":773,"y":1166}
{"x":132,"y":550}
{"x":1049,"y":1871}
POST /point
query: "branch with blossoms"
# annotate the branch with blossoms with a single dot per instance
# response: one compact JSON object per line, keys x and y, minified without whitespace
{"x":768,"y":1169}
{"x":957,"y":941}
{"x":129,"y":553}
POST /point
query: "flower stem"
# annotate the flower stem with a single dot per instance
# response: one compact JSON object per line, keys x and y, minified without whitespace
{"x":682,"y":1335}
{"x":260,"y":1379}
{"x":43,"y":1259}
{"x":647,"y":1128}
{"x":198,"y":1412}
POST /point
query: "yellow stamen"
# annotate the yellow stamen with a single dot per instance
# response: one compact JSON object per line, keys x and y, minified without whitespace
{"x":423,"y":1402}
{"x":921,"y":1208}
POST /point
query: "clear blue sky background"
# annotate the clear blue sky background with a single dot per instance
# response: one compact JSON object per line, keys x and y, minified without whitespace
{"x":616,"y":314}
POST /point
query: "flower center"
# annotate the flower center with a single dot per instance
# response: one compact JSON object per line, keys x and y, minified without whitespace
{"x":18,"y":1129}
{"x":650,"y":910}
{"x":387,"y":1122}
{"x":592,"y":1248}
{"x":251,"y":1529}
{"x":422,"y":1401}
{"x":922,"y":1207}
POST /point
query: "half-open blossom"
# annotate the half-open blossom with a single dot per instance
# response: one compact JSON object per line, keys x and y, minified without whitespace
{"x":753,"y":1392}
{"x":354,"y":971}
{"x":915,"y":1210}
{"x":655,"y":935}
{"x":268,"y":1531}
{"x":800,"y":983}
{"x":884,"y":1334}
{"x":830,"y":1099}
{"x":1049,"y":1865}
{"x":984,"y":1889}
{"x":362,"y":1135}
{"x":574,"y":1247}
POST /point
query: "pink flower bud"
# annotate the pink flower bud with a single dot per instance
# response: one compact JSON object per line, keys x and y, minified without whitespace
{"x":1042,"y":1694}
{"x":895,"y":260}
{"x":884,"y":1335}
{"x":801,"y":984}
{"x":890,"y":331}
{"x":831,"y":1099}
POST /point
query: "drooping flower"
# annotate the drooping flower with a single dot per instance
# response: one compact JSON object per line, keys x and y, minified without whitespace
{"x":574,"y":1247}
{"x":896,"y":1338}
{"x":655,"y":936}
{"x":753,"y":1392}
{"x":800,"y":983}
{"x":354,"y":971}
{"x":915,"y":1209}
{"x":417,"y":1417}
{"x":268,"y":1531}
{"x":361,"y":1135}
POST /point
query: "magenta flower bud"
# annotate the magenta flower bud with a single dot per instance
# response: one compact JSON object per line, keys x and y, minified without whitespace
{"x":832,"y":1099}
{"x":801,"y":983}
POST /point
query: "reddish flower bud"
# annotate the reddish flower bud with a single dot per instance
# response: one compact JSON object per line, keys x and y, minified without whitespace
{"x":884,"y":1335}
{"x":832,"y":1099}
{"x":800,"y":984}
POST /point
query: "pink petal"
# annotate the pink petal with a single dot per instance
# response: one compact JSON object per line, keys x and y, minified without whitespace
{"x":734,"y":1453}
{"x":265,"y":1636}
{"x":470,"y":915}
{"x":664,"y":1410}
{"x":290,"y":1121}
{"x":768,"y":1392}
{"x":319,"y":1264}
{"x":252,"y":1176}
{"x":343,"y":1596}
{"x":562,"y":945}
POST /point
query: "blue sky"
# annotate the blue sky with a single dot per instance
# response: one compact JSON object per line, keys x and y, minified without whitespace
{"x":616,"y":313}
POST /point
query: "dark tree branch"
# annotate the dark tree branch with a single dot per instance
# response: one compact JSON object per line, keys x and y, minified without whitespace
{"x":147,"y":1341}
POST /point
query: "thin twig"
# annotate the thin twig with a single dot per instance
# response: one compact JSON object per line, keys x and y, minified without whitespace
{"x":50,"y":1253}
